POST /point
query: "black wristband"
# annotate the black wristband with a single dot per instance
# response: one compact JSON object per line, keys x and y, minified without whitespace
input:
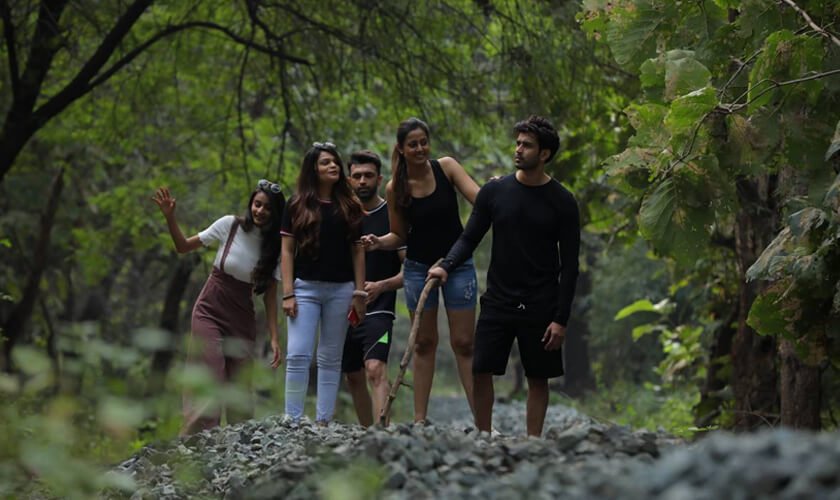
{"x":290,"y":296}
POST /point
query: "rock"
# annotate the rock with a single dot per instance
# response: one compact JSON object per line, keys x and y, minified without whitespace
{"x":578,"y":459}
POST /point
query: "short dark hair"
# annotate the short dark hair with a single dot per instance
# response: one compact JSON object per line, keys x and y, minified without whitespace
{"x":365,"y":156}
{"x":543,"y":130}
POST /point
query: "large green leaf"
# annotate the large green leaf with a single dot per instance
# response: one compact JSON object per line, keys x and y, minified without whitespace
{"x":684,"y":74}
{"x":664,"y":306}
{"x":773,"y":260}
{"x":646,"y":120}
{"x":768,"y":317}
{"x":631,"y":32}
{"x":807,"y":225}
{"x":632,"y":167}
{"x":674,"y":226}
{"x":652,"y":73}
{"x":686,"y":113}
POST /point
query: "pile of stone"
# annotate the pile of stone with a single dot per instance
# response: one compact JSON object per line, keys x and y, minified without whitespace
{"x":577,"y":458}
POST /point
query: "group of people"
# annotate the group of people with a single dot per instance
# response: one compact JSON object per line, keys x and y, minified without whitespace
{"x":341,"y":251}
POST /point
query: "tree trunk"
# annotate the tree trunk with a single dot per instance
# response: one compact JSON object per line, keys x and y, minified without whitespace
{"x":711,"y":398}
{"x":16,"y":323}
{"x":800,"y":387}
{"x":169,"y":321}
{"x":19,"y":124}
{"x":754,"y":370}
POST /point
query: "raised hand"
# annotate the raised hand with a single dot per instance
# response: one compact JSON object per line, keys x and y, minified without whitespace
{"x":164,"y":201}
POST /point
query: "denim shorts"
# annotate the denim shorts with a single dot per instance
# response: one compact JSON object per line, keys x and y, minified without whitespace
{"x":459,"y":291}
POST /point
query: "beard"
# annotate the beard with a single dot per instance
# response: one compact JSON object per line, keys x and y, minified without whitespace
{"x":524,"y":164}
{"x":365,"y":194}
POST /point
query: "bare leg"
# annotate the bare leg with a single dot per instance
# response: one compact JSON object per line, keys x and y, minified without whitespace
{"x":483,"y":395}
{"x":462,"y":339}
{"x":424,"y":362}
{"x":377,"y":376}
{"x":357,"y":387}
{"x":536,"y":406}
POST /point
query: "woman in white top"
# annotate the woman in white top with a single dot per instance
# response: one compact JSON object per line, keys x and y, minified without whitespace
{"x":223,"y":320}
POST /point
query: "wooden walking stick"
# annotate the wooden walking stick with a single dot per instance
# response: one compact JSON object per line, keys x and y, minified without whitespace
{"x":409,"y":350}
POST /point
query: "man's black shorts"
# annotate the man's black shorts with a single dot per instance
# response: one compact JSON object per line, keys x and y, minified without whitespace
{"x":494,"y":336}
{"x":370,"y":340}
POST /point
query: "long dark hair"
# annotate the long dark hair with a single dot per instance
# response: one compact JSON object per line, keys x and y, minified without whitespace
{"x":305,"y":207}
{"x":270,"y":244}
{"x":398,"y":165}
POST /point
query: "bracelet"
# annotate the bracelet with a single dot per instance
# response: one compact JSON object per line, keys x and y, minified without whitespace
{"x":360,"y":293}
{"x":290,"y":296}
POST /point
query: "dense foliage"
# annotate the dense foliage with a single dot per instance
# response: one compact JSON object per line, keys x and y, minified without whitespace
{"x":704,"y":127}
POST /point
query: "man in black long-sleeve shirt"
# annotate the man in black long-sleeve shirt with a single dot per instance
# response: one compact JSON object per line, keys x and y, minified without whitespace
{"x":532,"y":274}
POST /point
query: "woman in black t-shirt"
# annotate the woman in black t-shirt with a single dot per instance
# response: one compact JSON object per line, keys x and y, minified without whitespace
{"x":323,"y":273}
{"x":424,"y":215}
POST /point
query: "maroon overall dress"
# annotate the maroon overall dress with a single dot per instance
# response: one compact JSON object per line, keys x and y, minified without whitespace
{"x":223,"y":335}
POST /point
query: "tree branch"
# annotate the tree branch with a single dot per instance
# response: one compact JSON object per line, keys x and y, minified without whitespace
{"x":77,"y":87}
{"x":737,"y":72}
{"x":194,"y":24}
{"x":45,"y":44}
{"x":80,"y":84}
{"x":775,"y":85}
{"x":9,"y":33}
{"x":811,"y":23}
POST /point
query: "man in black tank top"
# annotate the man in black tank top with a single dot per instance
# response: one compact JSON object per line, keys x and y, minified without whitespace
{"x":367,"y":345}
{"x":532,"y":273}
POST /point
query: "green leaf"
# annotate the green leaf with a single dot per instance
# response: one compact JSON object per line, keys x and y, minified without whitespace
{"x":643,"y":305}
{"x":642,"y":330}
{"x":767,"y":317}
{"x":652,"y":73}
{"x":786,"y":56}
{"x":631,"y":32}
{"x":773,"y":260}
{"x":687,"y":111}
{"x":684,"y":74}
{"x":30,"y":361}
{"x":646,"y":120}
{"x":152,"y":339}
{"x":121,"y":414}
{"x":632,"y":167}
{"x":672,"y":220}
{"x":806,"y":221}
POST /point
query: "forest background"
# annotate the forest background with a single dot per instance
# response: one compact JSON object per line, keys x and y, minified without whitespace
{"x":700,"y":137}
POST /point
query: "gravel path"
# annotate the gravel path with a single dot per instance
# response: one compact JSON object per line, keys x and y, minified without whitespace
{"x":578,"y":458}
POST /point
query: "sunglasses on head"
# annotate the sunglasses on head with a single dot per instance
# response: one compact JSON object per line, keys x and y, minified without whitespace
{"x":267,"y":185}
{"x":323,"y":145}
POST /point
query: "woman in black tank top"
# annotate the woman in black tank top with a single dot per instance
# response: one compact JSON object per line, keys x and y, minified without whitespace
{"x":424,"y":215}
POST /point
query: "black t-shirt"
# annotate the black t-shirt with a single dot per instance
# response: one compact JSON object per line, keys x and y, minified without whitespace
{"x":334,"y":259}
{"x":536,"y":240}
{"x":434,"y":222}
{"x":380,"y":264}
